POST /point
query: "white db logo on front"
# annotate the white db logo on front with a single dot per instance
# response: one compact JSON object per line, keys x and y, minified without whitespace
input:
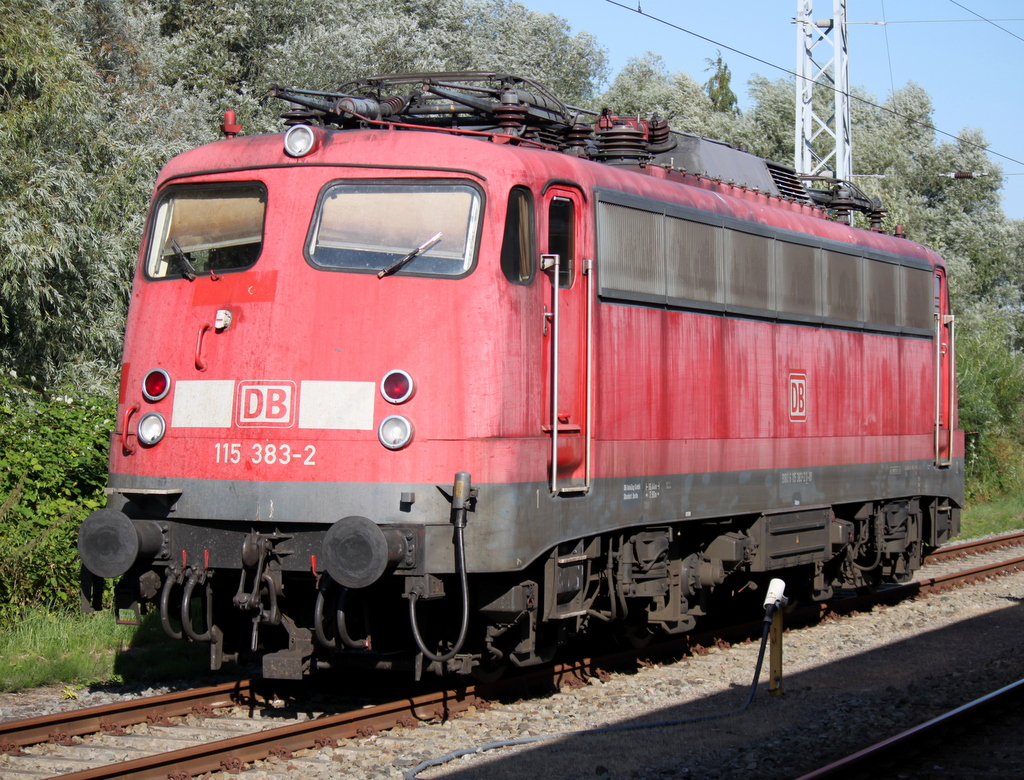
{"x":798,"y":397}
{"x":266,"y":404}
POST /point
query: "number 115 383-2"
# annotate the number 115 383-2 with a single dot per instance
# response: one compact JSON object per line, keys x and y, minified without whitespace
{"x":269,"y":454}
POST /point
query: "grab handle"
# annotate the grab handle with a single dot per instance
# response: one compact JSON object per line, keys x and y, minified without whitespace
{"x":125,"y":444}
{"x":200,"y":363}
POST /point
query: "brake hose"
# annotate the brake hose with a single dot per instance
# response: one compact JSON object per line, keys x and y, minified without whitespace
{"x":460,"y":565}
{"x":462,"y":494}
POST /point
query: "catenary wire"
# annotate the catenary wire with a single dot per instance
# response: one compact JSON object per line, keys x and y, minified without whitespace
{"x":990,"y":21}
{"x":888,"y":51}
{"x":893,"y":112}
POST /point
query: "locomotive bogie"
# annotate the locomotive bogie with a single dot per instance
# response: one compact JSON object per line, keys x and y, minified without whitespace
{"x":397,"y":397}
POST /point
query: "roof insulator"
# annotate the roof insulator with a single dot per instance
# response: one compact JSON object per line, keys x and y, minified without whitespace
{"x":622,"y":144}
{"x":297,"y":116}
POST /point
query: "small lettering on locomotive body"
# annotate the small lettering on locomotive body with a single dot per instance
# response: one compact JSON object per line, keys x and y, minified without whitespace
{"x":631,"y":491}
{"x":793,"y":477}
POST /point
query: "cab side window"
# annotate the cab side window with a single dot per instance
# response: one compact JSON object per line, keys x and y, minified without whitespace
{"x":517,"y":256}
{"x":561,"y":237}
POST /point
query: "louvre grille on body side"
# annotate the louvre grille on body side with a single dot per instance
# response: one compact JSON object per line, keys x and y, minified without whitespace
{"x":788,"y":184}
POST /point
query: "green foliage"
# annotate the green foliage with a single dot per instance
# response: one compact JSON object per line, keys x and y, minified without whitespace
{"x":63,"y":646}
{"x":995,"y":517}
{"x":54,"y":295}
{"x":74,"y":183}
{"x":991,"y":402}
{"x":507,"y":36}
{"x":766,"y":129}
{"x":53,"y":468}
{"x":644,"y":88}
{"x":718,"y":87}
{"x":354,"y":38}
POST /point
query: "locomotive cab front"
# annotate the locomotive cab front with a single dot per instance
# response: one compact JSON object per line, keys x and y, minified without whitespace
{"x":301,"y":338}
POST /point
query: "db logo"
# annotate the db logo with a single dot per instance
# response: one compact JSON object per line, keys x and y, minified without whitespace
{"x":798,"y":397}
{"x":266,"y":404}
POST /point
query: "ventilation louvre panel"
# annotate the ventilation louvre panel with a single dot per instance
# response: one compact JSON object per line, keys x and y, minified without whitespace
{"x":787,"y":182}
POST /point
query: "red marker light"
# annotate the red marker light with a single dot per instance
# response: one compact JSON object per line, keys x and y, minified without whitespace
{"x":396,"y":386}
{"x":156,"y":384}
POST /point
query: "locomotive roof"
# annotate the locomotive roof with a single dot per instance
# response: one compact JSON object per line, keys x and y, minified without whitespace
{"x":521,"y":109}
{"x":639,"y":157}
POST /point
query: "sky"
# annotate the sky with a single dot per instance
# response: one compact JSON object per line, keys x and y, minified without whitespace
{"x":972,"y":69}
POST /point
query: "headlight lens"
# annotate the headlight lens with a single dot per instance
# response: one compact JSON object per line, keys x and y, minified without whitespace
{"x":394,"y":432}
{"x":299,"y":140}
{"x":152,"y":428}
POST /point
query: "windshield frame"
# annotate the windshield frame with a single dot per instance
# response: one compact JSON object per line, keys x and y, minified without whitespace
{"x":154,"y":220}
{"x":409,"y":269}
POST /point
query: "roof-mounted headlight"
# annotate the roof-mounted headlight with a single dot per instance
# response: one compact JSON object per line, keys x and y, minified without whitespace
{"x":299,"y":140}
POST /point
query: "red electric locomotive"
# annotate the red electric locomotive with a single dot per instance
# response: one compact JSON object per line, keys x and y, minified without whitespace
{"x":446,"y":373}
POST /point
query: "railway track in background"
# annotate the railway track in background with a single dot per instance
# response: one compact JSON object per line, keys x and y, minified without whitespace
{"x":987,"y":744}
{"x":215,"y":719}
{"x":975,"y":547}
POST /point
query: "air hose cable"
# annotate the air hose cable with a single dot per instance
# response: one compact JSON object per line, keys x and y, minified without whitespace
{"x":462,"y":493}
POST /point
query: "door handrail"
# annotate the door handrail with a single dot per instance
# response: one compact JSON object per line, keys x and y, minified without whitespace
{"x":941,"y":320}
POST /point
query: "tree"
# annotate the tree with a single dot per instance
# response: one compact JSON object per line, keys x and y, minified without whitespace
{"x":507,"y":36}
{"x":641,"y":88}
{"x":766,"y":128}
{"x":59,"y":296}
{"x":719,"y":92}
{"x":644,"y":88}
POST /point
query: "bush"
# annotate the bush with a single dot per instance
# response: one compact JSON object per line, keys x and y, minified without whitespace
{"x":990,"y":384}
{"x":53,"y":468}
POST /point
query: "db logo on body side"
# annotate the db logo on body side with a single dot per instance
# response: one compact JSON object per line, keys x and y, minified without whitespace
{"x":798,"y":397}
{"x":266,"y":404}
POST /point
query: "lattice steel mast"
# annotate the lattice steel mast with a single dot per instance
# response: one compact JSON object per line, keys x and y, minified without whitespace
{"x":816,"y":40}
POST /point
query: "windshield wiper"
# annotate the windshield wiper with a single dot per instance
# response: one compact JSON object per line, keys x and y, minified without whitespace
{"x":187,"y":270}
{"x":398,"y":264}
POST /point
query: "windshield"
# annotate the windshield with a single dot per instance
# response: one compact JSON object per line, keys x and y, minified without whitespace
{"x":202,"y":229}
{"x":371,"y":226}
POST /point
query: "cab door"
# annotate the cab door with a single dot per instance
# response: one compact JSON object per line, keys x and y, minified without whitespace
{"x":945,"y":373}
{"x":566,"y":342}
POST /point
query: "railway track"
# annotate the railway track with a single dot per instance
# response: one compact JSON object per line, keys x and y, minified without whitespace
{"x":225,"y":727}
{"x":987,"y":744}
{"x":975,"y":547}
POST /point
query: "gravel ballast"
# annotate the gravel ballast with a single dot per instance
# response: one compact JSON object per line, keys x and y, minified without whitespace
{"x":847,"y":684}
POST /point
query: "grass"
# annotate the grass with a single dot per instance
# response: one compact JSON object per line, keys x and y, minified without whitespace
{"x":46,"y":648}
{"x":995,"y":517}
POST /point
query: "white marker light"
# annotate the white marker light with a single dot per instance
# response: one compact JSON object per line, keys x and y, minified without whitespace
{"x":394,"y":432}
{"x":151,"y":428}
